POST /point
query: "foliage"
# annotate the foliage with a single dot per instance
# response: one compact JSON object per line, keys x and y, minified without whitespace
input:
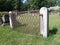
{"x":37,"y":4}
{"x":58,"y":2}
{"x":8,"y":5}
{"x":24,"y":7}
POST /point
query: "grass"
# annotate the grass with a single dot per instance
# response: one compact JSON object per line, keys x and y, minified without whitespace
{"x":22,"y":35}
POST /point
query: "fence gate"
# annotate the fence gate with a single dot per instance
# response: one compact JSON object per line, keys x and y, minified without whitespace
{"x":28,"y":22}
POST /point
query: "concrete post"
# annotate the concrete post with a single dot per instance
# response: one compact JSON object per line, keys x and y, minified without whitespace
{"x":44,"y":22}
{"x":12,"y":18}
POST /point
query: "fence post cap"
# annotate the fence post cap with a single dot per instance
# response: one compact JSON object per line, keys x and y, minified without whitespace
{"x":42,"y":10}
{"x":10,"y":11}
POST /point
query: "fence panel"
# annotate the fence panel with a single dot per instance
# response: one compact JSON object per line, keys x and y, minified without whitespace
{"x":28,"y":22}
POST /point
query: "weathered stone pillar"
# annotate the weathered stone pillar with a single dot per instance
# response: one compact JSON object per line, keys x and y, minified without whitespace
{"x":12,"y":18}
{"x":44,"y":22}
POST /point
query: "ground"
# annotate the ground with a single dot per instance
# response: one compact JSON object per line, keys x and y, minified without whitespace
{"x":10,"y":36}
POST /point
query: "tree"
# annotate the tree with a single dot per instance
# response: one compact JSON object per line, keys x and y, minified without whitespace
{"x":58,"y":2}
{"x":24,"y":6}
{"x":8,"y":5}
{"x":37,"y":4}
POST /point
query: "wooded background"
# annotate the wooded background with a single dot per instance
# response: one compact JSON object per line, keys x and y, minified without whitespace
{"x":9,"y":5}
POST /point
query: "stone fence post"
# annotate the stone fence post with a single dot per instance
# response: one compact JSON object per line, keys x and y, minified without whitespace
{"x":12,"y":19}
{"x":44,"y":22}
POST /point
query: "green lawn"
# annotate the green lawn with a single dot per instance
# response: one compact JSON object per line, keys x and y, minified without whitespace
{"x":23,"y":35}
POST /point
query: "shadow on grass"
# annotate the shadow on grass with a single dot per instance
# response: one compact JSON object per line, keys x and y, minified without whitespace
{"x":53,"y":31}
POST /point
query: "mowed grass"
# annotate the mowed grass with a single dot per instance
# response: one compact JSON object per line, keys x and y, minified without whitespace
{"x":19,"y":36}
